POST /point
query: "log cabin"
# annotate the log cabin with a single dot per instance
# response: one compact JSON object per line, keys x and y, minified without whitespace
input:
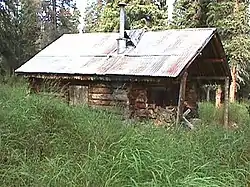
{"x":145,"y":72}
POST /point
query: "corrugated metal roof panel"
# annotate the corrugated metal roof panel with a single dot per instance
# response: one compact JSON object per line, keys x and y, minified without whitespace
{"x":162,"y":53}
{"x":81,"y":45}
{"x":172,"y":42}
{"x":148,"y":65}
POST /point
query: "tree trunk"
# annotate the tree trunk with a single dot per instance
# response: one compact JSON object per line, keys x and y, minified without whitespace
{"x":208,"y":93}
{"x":233,"y":70}
{"x":54,"y":15}
{"x":218,"y":97}
{"x":233,"y":84}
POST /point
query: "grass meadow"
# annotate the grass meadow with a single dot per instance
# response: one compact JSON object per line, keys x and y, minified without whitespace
{"x":45,"y":142}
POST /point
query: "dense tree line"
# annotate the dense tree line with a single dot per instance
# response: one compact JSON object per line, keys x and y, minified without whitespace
{"x":27,"y":26}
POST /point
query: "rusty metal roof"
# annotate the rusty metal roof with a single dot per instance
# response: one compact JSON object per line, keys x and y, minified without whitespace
{"x":161,"y":53}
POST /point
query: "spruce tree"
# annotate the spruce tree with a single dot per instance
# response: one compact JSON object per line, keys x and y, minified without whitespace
{"x":139,"y":14}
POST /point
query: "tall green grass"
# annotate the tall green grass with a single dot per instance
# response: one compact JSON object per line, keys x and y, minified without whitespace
{"x":45,"y":142}
{"x":238,"y":113}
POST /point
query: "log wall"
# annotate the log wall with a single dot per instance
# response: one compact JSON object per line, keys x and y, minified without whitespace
{"x":133,"y":97}
{"x":78,"y":95}
{"x":102,"y":94}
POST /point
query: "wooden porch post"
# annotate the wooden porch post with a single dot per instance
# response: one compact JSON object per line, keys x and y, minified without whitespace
{"x":181,"y":98}
{"x":226,"y":103}
{"x":218,"y":97}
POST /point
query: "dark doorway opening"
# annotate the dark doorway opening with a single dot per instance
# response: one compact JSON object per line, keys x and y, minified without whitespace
{"x":163,"y":96}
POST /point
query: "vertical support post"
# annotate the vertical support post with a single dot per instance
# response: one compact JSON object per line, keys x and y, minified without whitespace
{"x":181,"y":97}
{"x":208,"y":93}
{"x":218,"y":97}
{"x":226,"y":103}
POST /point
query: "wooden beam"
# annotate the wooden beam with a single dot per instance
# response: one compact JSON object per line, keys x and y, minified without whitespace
{"x":181,"y":98}
{"x":219,"y":45}
{"x":208,"y":78}
{"x":214,"y":60}
{"x":226,"y":103}
{"x":214,"y":48}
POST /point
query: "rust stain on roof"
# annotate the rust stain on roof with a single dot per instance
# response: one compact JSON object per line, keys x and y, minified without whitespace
{"x":161,"y":53}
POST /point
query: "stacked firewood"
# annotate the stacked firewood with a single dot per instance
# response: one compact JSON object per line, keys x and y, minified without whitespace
{"x":140,"y":109}
{"x":162,"y":116}
{"x":138,"y":102}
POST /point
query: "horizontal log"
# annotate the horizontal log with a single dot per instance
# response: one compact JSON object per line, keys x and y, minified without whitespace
{"x":101,"y":102}
{"x":208,"y":78}
{"x":100,"y":86}
{"x":100,"y":90}
{"x":114,"y":97}
{"x":100,"y":96}
{"x":106,"y":103}
{"x":214,"y":60}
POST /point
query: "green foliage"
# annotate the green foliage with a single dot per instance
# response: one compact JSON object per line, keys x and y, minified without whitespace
{"x":29,"y":31}
{"x":45,"y":142}
{"x":238,"y":113}
{"x":26,"y":27}
{"x":234,"y":28}
{"x":207,"y":112}
{"x":189,"y":14}
{"x":19,"y":32}
{"x":57,"y":18}
{"x":232,"y":24}
{"x":92,"y":16}
{"x":140,"y":14}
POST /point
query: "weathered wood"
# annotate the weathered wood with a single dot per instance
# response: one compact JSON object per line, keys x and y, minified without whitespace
{"x":214,"y":60}
{"x":181,"y":98}
{"x":108,"y":95}
{"x":226,"y":103}
{"x":35,"y":85}
{"x":233,"y":86}
{"x":219,"y":45}
{"x":100,"y":96}
{"x":218,"y":97}
{"x":100,"y":90}
{"x":208,"y":78}
{"x":78,"y":95}
{"x":101,"y":102}
{"x":120,"y":97}
{"x":102,"y":85}
{"x":113,"y":97}
{"x":106,"y":103}
{"x":140,"y":105}
{"x":208,"y":93}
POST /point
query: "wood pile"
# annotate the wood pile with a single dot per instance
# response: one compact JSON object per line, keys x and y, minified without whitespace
{"x":137,"y":101}
{"x":162,"y":116}
{"x":140,"y":108}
